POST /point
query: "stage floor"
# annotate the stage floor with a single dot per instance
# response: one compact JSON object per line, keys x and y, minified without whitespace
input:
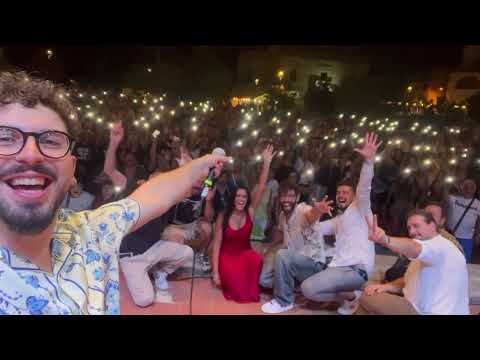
{"x":199,"y":297}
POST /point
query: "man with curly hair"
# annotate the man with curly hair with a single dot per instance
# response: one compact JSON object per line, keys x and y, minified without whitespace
{"x":56,"y":261}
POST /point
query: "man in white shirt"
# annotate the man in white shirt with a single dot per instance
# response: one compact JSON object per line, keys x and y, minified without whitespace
{"x":464,"y":228}
{"x":300,"y":253}
{"x":77,"y":199}
{"x":354,"y":257}
{"x":436,"y":281}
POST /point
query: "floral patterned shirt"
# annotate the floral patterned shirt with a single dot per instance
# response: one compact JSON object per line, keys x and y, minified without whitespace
{"x":84,"y":247}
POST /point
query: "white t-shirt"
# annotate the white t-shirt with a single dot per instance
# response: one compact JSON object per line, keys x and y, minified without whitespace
{"x":81,"y":203}
{"x":436,"y":282}
{"x":457,"y":206}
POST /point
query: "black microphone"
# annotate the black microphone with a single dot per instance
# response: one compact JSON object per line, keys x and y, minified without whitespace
{"x":208,"y":182}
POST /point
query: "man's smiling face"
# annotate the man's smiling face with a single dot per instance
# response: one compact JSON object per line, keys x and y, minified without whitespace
{"x":32,"y":186}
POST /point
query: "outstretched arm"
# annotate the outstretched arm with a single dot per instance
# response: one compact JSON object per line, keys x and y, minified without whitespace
{"x":319,"y":209}
{"x":163,"y":191}
{"x":110,"y":165}
{"x":364,"y":186}
{"x":268,"y":155}
{"x":402,"y":246}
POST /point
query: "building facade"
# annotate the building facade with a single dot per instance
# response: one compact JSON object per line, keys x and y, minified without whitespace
{"x":297,"y":68}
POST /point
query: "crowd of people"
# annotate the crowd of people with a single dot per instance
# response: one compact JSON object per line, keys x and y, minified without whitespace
{"x":305,"y":187}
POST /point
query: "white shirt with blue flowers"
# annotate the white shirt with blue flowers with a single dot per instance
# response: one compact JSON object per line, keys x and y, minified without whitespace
{"x":85,"y":277}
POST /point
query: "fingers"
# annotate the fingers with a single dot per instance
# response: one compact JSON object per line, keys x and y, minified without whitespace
{"x":369,"y":224}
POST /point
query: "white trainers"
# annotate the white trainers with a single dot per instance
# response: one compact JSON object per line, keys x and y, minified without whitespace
{"x":274,"y":307}
{"x":161,"y":282}
{"x":350,"y":307}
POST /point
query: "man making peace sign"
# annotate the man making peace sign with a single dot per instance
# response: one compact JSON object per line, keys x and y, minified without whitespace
{"x":436,"y":281}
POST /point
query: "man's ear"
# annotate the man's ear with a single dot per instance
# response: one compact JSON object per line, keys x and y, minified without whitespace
{"x":442,"y":221}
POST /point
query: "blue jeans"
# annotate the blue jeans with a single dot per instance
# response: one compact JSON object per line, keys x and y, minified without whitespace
{"x":292,"y":267}
{"x":467,"y":245}
{"x":332,"y":283}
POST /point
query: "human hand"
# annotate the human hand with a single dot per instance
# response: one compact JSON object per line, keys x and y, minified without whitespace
{"x":370,"y":146}
{"x":324,"y":206}
{"x":375,"y":289}
{"x":375,"y":233}
{"x":216,"y":279}
{"x":268,"y":154}
{"x":116,"y":133}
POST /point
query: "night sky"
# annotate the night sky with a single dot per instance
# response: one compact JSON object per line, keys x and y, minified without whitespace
{"x":106,"y":66}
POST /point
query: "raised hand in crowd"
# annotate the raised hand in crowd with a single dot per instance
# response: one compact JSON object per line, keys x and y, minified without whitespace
{"x":375,"y":233}
{"x":268,"y":154}
{"x":116,"y":134}
{"x":370,"y":147}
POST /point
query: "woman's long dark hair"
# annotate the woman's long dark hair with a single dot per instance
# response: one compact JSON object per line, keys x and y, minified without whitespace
{"x":231,"y":204}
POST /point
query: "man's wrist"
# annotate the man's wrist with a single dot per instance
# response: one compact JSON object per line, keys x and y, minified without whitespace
{"x":386,"y":239}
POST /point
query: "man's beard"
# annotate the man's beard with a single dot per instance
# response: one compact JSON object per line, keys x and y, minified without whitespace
{"x":30,"y":219}
{"x":290,"y":209}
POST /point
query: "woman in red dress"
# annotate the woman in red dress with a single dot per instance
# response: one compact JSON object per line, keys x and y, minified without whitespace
{"x":236,"y":266}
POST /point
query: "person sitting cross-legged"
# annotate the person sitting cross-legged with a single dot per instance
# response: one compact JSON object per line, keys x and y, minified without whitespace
{"x":436,"y":281}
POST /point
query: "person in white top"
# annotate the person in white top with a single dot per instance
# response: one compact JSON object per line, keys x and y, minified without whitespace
{"x":464,"y":226}
{"x":301,"y":251}
{"x":77,"y":199}
{"x":354,"y":255}
{"x":436,"y":281}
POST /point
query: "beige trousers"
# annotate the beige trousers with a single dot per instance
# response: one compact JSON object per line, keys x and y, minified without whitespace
{"x":385,"y":304}
{"x":165,"y":256}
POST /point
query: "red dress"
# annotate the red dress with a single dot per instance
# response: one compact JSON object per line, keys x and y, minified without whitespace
{"x":239,"y":266}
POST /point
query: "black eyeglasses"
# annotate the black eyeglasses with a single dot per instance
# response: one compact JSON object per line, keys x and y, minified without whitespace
{"x":52,"y":143}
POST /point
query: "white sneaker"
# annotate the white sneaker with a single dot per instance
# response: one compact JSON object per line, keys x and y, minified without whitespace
{"x":274,"y":307}
{"x":161,"y":282}
{"x":350,"y":307}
